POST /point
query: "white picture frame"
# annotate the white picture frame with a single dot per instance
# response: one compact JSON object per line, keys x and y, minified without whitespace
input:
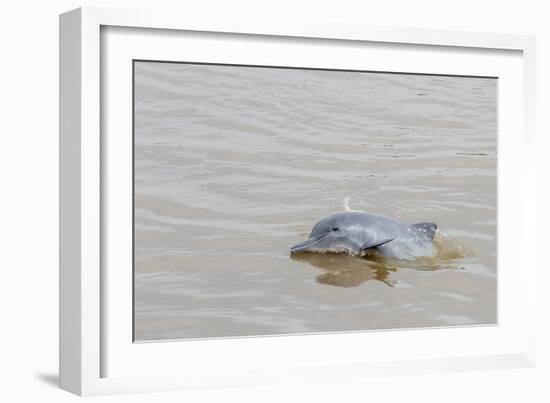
{"x":89,"y":340}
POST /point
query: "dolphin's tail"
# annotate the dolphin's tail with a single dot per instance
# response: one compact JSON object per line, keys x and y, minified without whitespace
{"x":427,"y":228}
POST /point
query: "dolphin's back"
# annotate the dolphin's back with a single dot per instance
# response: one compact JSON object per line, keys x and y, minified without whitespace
{"x":362,"y":221}
{"x":427,"y":229}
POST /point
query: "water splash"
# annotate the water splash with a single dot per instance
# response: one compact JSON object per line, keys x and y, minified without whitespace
{"x":345,"y":204}
{"x":447,"y":252}
{"x":448,"y":248}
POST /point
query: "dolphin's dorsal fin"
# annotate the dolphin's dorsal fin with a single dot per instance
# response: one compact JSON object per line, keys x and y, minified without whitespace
{"x":376,"y":243}
{"x":427,"y":228}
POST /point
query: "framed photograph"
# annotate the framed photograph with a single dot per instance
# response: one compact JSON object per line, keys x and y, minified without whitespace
{"x":246,"y":202}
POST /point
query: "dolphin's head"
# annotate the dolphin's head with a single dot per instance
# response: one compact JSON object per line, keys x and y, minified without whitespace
{"x":348,"y":232}
{"x":326,"y":236}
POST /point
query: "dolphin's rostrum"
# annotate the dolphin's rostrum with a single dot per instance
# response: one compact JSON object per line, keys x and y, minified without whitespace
{"x":355,"y":233}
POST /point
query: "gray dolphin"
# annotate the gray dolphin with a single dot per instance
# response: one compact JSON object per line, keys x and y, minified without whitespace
{"x":355,"y":233}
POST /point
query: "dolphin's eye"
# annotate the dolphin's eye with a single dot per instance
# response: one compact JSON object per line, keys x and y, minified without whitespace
{"x":335,"y":229}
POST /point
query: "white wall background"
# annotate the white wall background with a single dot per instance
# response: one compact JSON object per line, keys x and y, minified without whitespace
{"x":29,"y":186}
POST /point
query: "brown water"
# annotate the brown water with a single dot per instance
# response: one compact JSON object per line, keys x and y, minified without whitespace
{"x":233,"y":165}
